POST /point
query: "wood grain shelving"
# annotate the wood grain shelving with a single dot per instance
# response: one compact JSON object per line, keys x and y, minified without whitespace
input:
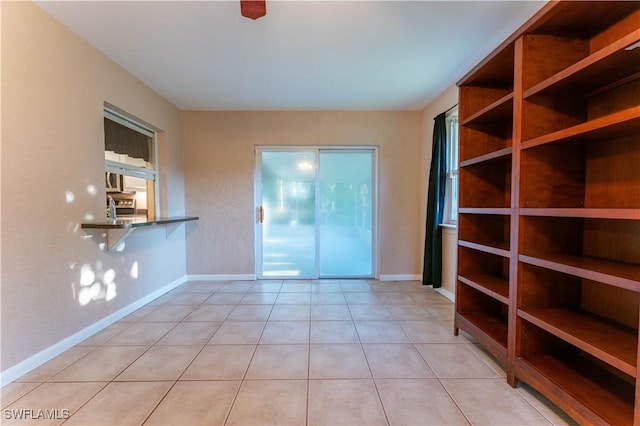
{"x":603,"y":339}
{"x":549,"y":217}
{"x":613,"y":126}
{"x":500,"y":110}
{"x":495,"y":287}
{"x":605,"y":67}
{"x":490,"y":332}
{"x":500,"y":248}
{"x":499,"y":155}
{"x":617,"y":274}
{"x":481,"y":210}
{"x":587,"y":213}
{"x":582,"y":396}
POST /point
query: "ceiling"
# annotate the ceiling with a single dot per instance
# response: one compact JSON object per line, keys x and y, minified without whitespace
{"x":303,"y":55}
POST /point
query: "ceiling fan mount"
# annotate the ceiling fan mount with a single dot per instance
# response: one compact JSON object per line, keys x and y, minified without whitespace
{"x":253,"y":9}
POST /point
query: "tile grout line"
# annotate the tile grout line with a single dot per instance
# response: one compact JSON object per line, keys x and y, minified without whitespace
{"x":113,"y":380}
{"x":87,"y":401}
{"x":454,"y":401}
{"x":394,"y":319}
{"x":307,"y":412}
{"x":375,"y":385}
{"x":155,"y":407}
{"x":244,"y":376}
{"x":551,"y":423}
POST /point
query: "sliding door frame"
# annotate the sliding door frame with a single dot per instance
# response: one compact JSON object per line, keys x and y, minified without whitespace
{"x":317,"y":149}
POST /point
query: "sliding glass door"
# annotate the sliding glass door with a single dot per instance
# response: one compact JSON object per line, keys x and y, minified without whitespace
{"x":315,"y":212}
{"x":345,"y":216}
{"x":287,"y":214}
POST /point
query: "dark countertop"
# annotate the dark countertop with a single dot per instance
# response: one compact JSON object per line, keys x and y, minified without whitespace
{"x":135,"y":222}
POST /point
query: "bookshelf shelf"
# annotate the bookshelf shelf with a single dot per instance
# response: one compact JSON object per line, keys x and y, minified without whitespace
{"x":549,"y":217}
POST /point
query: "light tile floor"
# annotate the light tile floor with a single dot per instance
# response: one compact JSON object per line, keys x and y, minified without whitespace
{"x":340,"y":352}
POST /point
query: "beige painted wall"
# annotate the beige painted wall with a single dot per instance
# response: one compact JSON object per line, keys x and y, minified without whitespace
{"x":219,"y":172}
{"x":54,"y":85}
{"x":442,"y":103}
{"x":449,"y":260}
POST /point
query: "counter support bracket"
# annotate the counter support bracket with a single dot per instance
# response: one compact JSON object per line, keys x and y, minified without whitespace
{"x":116,"y":230}
{"x":115,"y":236}
{"x":171,"y":228}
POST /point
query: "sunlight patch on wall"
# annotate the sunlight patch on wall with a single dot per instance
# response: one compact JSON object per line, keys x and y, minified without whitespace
{"x":134,"y":270}
{"x":95,"y":283}
{"x":73,"y":227}
{"x":92,"y":190}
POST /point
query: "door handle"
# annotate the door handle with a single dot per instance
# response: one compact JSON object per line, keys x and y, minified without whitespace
{"x":260,"y":214}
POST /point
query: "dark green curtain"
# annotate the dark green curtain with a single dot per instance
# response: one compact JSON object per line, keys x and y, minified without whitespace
{"x":432,"y":270}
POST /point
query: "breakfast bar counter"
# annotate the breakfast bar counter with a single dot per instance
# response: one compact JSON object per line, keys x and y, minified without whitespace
{"x":119,"y":228}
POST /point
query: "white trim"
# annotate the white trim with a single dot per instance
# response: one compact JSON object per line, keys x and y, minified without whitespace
{"x":129,"y":170}
{"x":446,"y":293}
{"x":257,"y":203}
{"x":316,"y":213}
{"x":12,"y":373}
{"x":222,"y":277}
{"x":128,"y":122}
{"x":375,"y":196}
{"x":270,"y":148}
{"x":401,"y":277}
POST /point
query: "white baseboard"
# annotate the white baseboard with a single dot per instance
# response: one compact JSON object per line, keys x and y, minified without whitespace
{"x":252,"y":277}
{"x":446,"y":293}
{"x":10,"y":374}
{"x":402,"y":277}
{"x":222,"y":277}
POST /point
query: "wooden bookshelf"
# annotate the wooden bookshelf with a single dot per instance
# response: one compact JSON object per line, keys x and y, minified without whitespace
{"x":614,"y":125}
{"x":499,"y":111}
{"x":549,"y":218}
{"x":582,"y":396}
{"x":500,"y":248}
{"x":480,"y":210}
{"x":487,"y":330}
{"x":617,"y":274}
{"x":596,"y":336}
{"x":587,"y":213}
{"x":491,"y":184}
{"x":498,"y":288}
{"x":485,"y":229}
{"x":609,"y":66}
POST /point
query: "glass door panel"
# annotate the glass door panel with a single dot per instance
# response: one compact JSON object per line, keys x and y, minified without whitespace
{"x":288,"y":200}
{"x":345,"y":213}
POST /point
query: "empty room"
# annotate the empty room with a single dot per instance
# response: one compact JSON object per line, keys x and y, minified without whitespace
{"x":274,"y":212}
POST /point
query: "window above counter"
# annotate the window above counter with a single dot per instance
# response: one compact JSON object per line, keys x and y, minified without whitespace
{"x":131,"y":175}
